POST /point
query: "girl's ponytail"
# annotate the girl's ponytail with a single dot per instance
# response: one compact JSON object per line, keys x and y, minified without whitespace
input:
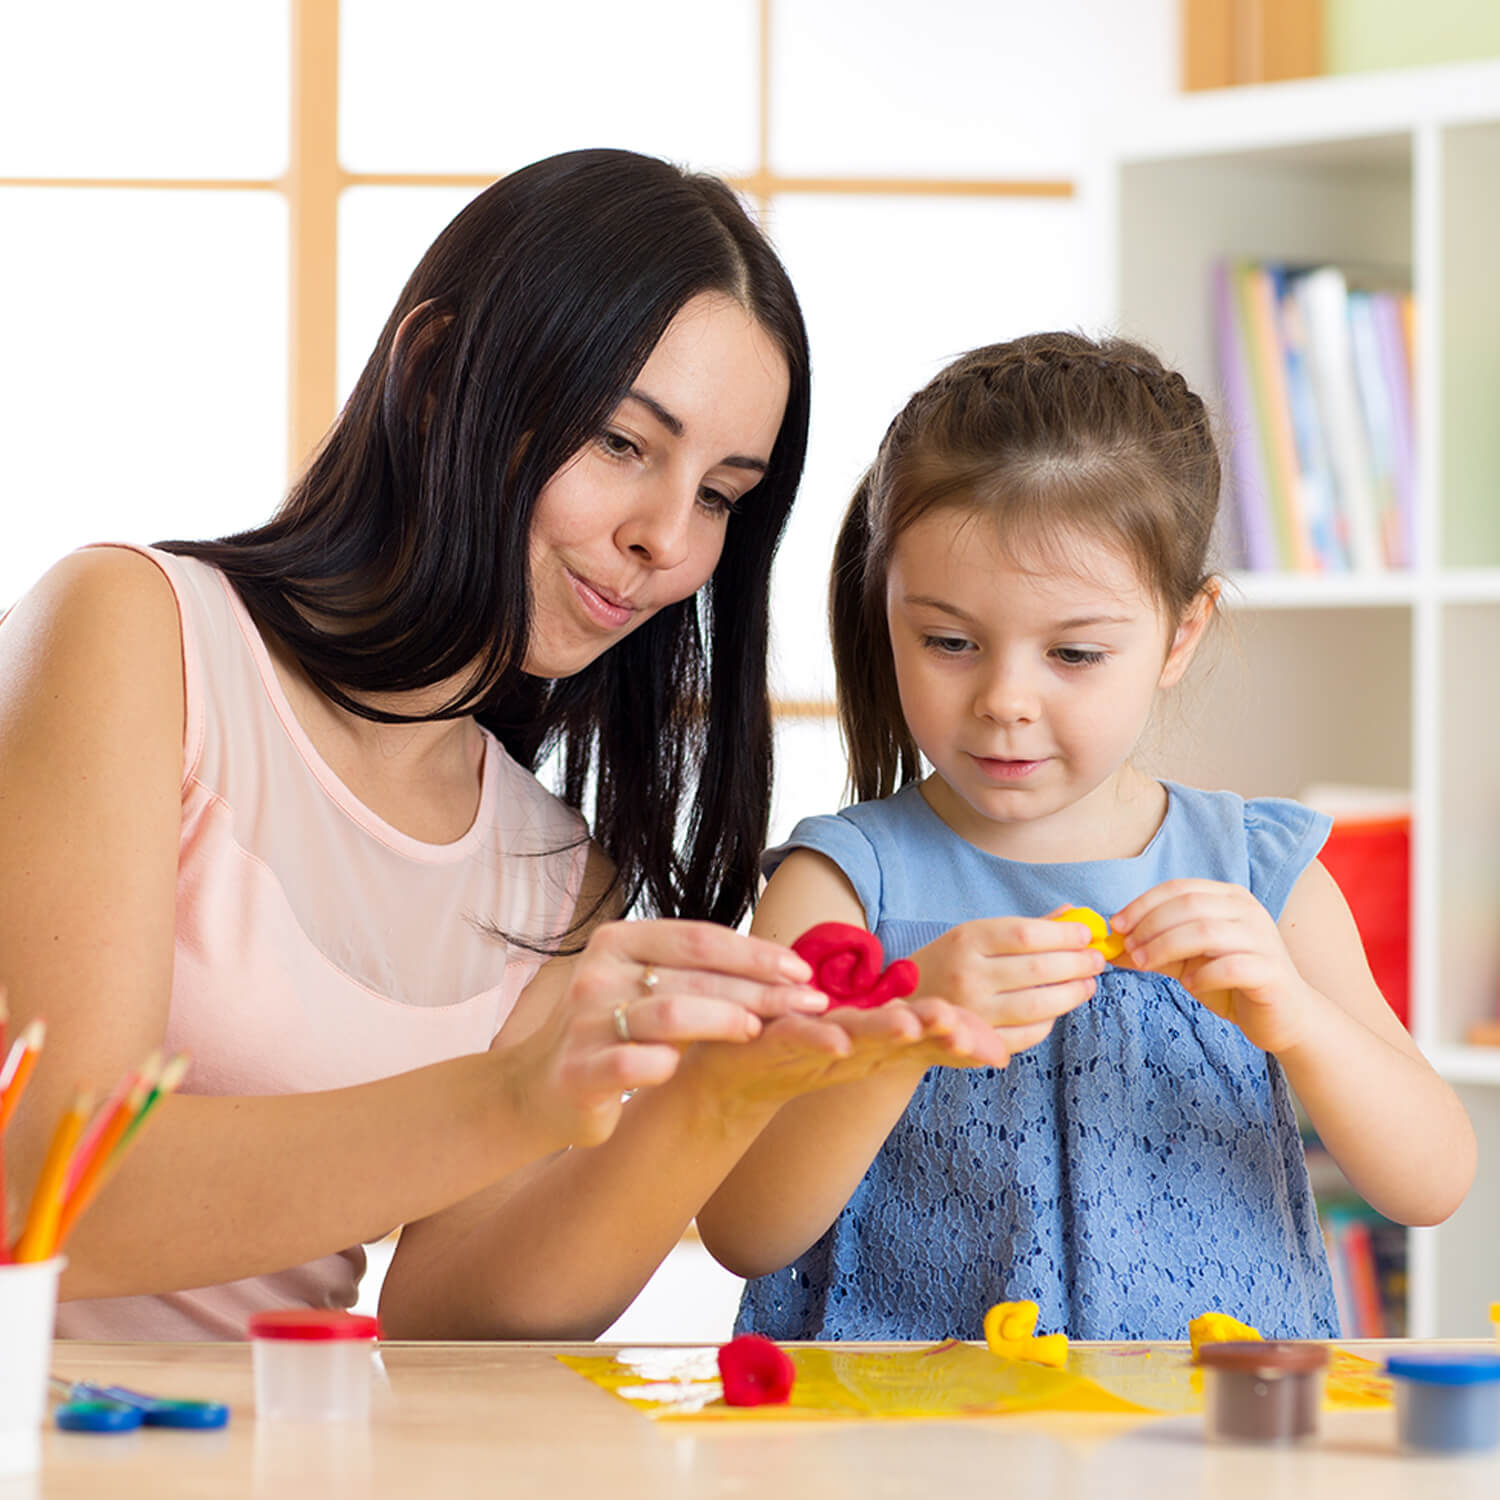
{"x":882,"y":754}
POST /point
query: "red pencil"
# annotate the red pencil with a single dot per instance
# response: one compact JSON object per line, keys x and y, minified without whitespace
{"x":4,"y":1216}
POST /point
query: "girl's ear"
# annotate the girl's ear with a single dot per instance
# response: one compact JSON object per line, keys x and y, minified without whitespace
{"x":1189,"y":634}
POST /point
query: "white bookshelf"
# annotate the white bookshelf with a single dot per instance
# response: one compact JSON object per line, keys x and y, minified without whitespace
{"x":1382,"y":678}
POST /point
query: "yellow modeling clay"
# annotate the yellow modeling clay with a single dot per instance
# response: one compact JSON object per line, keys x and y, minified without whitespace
{"x":1217,"y":1328}
{"x":1010,"y":1331}
{"x":1110,"y":944}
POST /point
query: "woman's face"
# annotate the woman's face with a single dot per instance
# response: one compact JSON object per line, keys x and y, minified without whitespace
{"x":635,"y":520}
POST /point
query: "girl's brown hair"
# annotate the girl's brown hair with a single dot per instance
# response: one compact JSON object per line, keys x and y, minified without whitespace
{"x":1051,"y":436}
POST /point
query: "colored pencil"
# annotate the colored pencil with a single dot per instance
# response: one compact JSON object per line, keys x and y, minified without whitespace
{"x":111,"y":1150}
{"x":4,"y":1215}
{"x":46,"y":1201}
{"x":89,"y":1177}
{"x":105,"y":1116}
{"x":171,"y":1076}
{"x":18,"y":1066}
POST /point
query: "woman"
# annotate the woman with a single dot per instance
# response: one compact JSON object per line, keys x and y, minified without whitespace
{"x":268,"y":799}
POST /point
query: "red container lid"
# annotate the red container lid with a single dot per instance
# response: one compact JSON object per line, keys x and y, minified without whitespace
{"x":311,"y":1323}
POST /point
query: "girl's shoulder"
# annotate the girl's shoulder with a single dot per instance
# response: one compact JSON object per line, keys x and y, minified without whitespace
{"x":880,"y":846}
{"x":1263,"y":843}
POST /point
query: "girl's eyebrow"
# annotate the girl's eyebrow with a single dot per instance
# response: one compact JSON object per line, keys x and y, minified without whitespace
{"x":1082,"y":622}
{"x":674,"y":425}
{"x":931,"y":602}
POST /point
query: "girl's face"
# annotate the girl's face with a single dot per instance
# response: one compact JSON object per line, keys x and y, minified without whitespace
{"x":635,"y":521}
{"x":1025,"y":687}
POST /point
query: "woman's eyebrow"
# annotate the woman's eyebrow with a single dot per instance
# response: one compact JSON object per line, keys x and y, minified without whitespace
{"x":673,"y":424}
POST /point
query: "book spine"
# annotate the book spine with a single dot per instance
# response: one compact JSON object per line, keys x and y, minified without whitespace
{"x":1245,"y":468}
{"x":1324,"y":299}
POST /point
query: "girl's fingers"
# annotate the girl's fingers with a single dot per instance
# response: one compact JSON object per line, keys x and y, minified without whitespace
{"x":996,"y":937}
{"x":1035,"y":970}
{"x":1032,"y":1006}
{"x":1206,"y":937}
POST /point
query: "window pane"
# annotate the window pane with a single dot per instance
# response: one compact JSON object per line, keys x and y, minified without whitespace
{"x":153,"y":88}
{"x":383,"y":233}
{"x":143,"y":390}
{"x":956,"y":88}
{"x":893,"y":288}
{"x":461,"y":87}
{"x":810,"y":773}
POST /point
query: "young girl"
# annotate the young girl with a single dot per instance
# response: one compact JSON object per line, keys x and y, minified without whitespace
{"x":1020,"y":573}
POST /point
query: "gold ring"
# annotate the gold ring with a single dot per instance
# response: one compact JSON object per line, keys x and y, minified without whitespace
{"x":621,"y":1014}
{"x":650,"y":979}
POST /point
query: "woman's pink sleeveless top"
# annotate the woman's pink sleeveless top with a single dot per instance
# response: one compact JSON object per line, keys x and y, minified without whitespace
{"x":318,"y":947}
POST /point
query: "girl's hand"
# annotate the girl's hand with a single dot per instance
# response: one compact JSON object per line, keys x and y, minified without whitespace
{"x":1017,"y":974}
{"x":1218,"y":942}
{"x":611,"y":1019}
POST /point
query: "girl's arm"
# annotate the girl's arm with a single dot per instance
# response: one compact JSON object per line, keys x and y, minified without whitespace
{"x":1301,"y":988}
{"x":91,"y":729}
{"x":1015,"y":975}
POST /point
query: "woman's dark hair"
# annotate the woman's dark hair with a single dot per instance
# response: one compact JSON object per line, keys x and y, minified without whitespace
{"x":400,"y":557}
{"x":1049,"y":437}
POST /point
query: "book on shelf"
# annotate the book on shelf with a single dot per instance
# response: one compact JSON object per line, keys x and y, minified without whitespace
{"x":1314,"y":366}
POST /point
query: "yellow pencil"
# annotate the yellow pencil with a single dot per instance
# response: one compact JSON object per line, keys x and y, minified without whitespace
{"x":46,"y":1201}
{"x":87,"y":1177}
{"x":105,"y":1116}
{"x":104,"y":1166}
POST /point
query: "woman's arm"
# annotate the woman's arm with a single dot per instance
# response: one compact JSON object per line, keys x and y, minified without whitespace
{"x":999,"y":985}
{"x":562,"y":1249}
{"x":91,"y":729}
{"x":1301,"y":988}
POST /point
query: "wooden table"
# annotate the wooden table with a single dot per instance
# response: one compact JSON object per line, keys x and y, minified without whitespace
{"x":454,"y":1420}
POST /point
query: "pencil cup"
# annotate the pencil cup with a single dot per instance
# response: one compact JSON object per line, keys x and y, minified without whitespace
{"x":28,"y":1306}
{"x":313,"y":1366}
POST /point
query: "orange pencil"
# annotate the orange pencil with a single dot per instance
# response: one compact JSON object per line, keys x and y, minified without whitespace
{"x":46,"y":1201}
{"x":85,"y":1182}
{"x":104,"y":1164}
{"x":4,"y":1215}
{"x":18,"y":1068}
{"x":104,"y":1117}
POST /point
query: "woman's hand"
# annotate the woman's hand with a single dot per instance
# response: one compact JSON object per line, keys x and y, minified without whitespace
{"x":802,"y":1054}
{"x":1222,"y":946}
{"x":1016,"y":974}
{"x":593,"y":1027}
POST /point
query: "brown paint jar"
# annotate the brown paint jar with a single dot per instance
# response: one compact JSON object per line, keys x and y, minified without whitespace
{"x":1258,"y":1391}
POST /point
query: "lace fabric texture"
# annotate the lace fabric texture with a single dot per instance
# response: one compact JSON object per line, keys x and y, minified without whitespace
{"x":1140,"y":1166}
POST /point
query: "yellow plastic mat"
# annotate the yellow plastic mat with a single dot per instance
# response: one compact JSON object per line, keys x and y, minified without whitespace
{"x":943,"y":1380}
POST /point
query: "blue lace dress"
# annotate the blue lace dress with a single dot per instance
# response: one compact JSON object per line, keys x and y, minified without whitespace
{"x":1140,"y":1166}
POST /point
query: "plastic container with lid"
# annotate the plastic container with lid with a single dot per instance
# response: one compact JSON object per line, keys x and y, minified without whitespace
{"x":1447,"y":1403}
{"x":1262,"y":1391}
{"x":313,"y":1366}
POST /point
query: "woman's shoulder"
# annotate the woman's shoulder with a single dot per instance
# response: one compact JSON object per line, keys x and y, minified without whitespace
{"x":95,"y":609}
{"x":91,"y":680}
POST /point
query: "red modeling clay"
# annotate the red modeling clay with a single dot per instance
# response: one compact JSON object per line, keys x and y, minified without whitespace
{"x":846,"y":963}
{"x":755,"y":1372}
